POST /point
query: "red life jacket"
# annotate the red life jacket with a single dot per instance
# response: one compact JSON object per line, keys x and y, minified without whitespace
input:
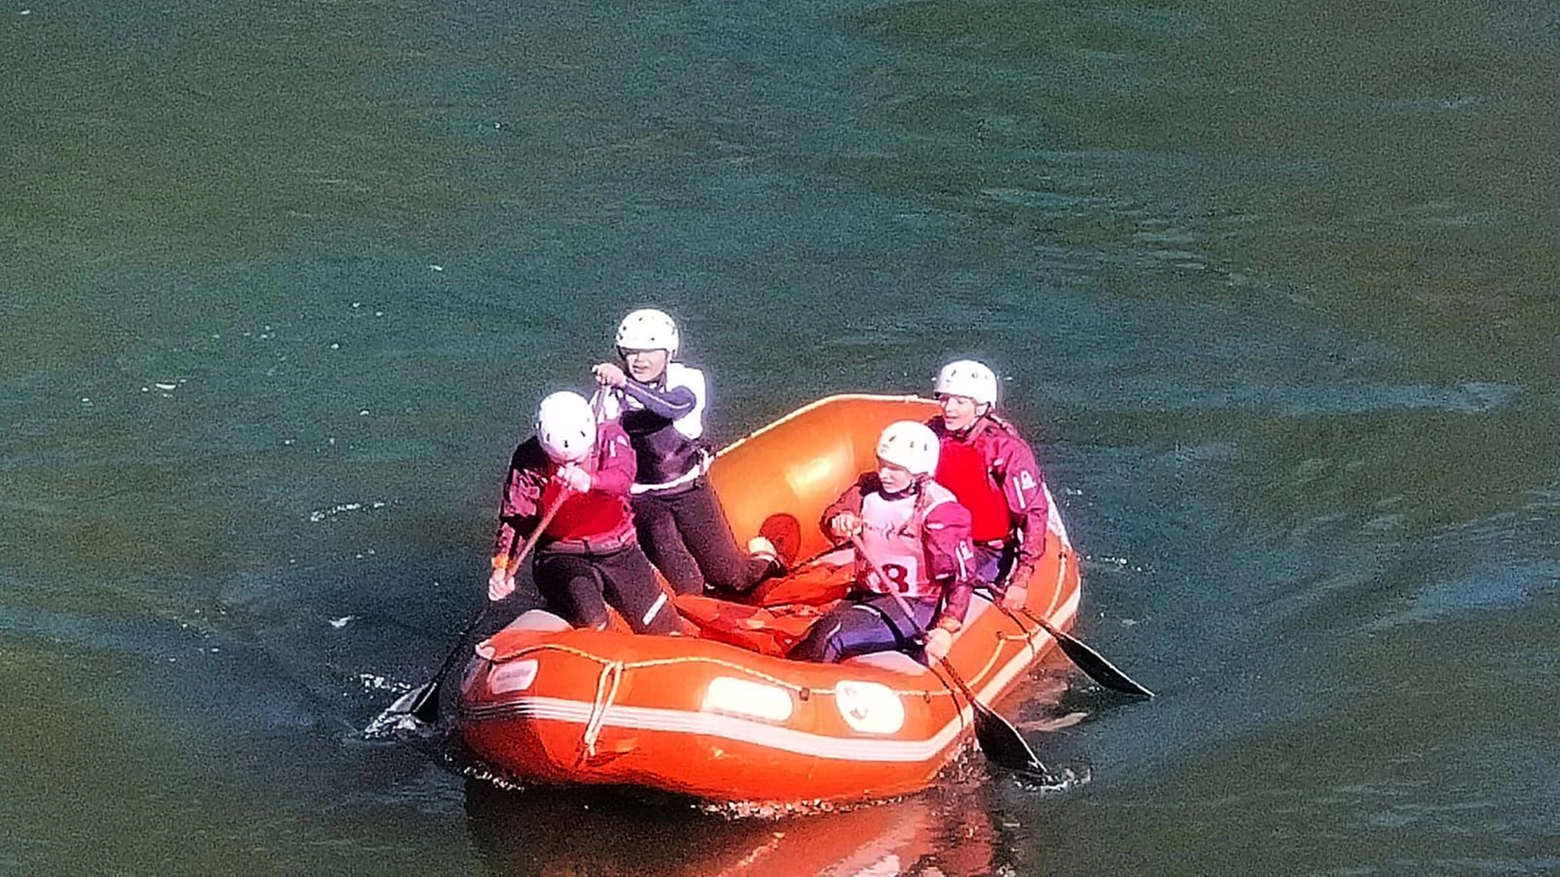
{"x":593,"y":515}
{"x":961,"y":467}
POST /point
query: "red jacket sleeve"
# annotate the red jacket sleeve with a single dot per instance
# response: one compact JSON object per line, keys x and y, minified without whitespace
{"x":517,"y":512}
{"x":615,"y":460}
{"x":849,"y":501}
{"x":1013,"y":463}
{"x":950,"y":557}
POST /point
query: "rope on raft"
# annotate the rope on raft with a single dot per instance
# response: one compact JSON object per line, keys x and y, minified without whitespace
{"x":606,"y":692}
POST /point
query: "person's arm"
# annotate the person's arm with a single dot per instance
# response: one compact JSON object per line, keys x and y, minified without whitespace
{"x":518,"y":515}
{"x":672,"y":403}
{"x":615,"y":461}
{"x":1023,"y":485}
{"x":518,"y":511}
{"x":951,"y":561}
{"x":848,"y":502}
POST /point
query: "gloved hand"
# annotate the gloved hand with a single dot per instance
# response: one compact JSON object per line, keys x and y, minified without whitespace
{"x":938,"y":642}
{"x":845,"y":524}
{"x":609,"y":375}
{"x":501,"y":583}
{"x":575,"y":477}
{"x":1017,"y":592}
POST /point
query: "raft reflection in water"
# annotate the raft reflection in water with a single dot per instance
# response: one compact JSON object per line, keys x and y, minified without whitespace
{"x":563,"y":833}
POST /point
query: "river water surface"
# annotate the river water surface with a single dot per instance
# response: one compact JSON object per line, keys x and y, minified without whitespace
{"x":1275,"y":286}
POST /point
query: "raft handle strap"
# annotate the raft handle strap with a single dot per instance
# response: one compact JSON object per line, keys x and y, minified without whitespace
{"x":606,"y":692}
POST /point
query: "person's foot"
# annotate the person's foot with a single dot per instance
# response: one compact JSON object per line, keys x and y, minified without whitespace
{"x":762,"y":548}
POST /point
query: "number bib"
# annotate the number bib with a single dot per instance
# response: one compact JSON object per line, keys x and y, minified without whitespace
{"x":891,"y":532}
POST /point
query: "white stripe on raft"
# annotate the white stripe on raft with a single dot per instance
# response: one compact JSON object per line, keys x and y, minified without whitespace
{"x":730,"y":728}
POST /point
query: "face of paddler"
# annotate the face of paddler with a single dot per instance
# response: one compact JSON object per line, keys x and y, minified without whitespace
{"x":644,"y":366}
{"x":894,"y":478}
{"x":959,"y":411}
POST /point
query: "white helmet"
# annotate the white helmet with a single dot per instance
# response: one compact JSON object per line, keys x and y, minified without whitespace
{"x":648,"y":329}
{"x":910,"y":445}
{"x":566,"y":426}
{"x":966,"y":377}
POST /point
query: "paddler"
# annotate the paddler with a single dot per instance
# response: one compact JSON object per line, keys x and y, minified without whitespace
{"x":661,"y":405}
{"x":992,"y":471}
{"x":915,"y":532}
{"x":575,"y":473}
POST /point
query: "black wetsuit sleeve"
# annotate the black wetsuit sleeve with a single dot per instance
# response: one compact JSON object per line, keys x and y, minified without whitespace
{"x":672,"y":404}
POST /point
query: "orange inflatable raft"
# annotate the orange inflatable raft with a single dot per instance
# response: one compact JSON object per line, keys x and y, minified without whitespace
{"x":720,"y":714}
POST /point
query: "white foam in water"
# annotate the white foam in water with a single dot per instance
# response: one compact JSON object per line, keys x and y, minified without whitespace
{"x":321,"y":514}
{"x":391,"y":721}
{"x":1061,"y":779}
{"x":393,"y":718}
{"x":373,"y":682}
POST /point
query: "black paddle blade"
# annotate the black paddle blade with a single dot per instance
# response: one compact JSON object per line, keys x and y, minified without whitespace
{"x":1093,"y":663}
{"x":999,"y":741}
{"x":426,"y":707}
{"x":1002,"y":743}
{"x":419,"y":703}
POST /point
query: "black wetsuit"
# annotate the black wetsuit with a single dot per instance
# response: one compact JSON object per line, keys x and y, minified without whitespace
{"x":680,"y":522}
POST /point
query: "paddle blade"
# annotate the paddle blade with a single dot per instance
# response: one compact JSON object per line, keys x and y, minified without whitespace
{"x":999,"y":740}
{"x":1002,"y":743}
{"x":421,"y":703}
{"x":1093,"y":663}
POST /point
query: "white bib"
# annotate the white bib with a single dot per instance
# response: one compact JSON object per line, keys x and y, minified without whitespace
{"x":891,"y":532}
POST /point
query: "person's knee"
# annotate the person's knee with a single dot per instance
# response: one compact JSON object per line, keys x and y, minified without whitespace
{"x":590,"y":609}
{"x":660,"y":618}
{"x":821,"y":644}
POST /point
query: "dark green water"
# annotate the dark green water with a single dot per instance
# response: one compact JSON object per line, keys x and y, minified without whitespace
{"x":1275,"y":285}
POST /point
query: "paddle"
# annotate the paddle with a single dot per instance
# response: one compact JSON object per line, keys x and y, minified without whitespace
{"x":423,"y":703}
{"x":998,"y":739}
{"x":1086,"y":658}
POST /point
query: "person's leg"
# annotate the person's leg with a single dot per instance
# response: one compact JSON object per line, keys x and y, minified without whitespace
{"x":909,"y":627}
{"x":631,"y":589}
{"x":571,"y":588}
{"x":706,"y":532}
{"x":847,"y":630}
{"x":663,"y":543}
{"x":988,"y":564}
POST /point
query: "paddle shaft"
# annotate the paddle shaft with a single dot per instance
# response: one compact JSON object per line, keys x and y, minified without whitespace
{"x":999,"y":740}
{"x":425,"y":706}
